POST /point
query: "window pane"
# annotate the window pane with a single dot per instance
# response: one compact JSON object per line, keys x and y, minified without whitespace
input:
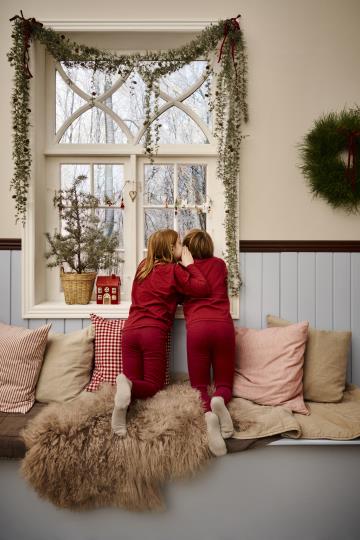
{"x":94,"y":127}
{"x":117,"y":270}
{"x":70,"y":171}
{"x":198,"y":102}
{"x":67,"y":101}
{"x":178,"y":128}
{"x":128,"y":102}
{"x":192,"y":183}
{"x":190,"y":219}
{"x":108,"y":182}
{"x":88,"y":80}
{"x":181,"y":80}
{"x":112,"y":219}
{"x":157,"y":218}
{"x":159,"y":184}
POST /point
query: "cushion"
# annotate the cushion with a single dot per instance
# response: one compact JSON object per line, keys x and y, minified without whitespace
{"x":67,"y":366}
{"x":12,"y":445}
{"x":269,"y":365}
{"x":325,"y":362}
{"x":21,"y":357}
{"x":108,"y":360}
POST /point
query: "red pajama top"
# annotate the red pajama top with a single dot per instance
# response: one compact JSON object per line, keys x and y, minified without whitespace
{"x":217,"y":305}
{"x":155,"y":298}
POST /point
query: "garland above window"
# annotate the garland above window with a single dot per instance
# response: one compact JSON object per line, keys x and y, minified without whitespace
{"x":223,"y":39}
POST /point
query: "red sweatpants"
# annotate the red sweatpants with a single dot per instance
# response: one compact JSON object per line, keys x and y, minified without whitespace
{"x":144,"y":359}
{"x":211,"y":344}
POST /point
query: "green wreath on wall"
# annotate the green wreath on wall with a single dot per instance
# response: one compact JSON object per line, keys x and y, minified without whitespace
{"x":331,"y":154}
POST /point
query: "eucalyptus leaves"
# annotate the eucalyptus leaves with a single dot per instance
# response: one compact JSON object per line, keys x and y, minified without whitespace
{"x":228,"y":101}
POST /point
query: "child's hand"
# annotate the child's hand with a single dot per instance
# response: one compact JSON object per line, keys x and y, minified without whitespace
{"x":186,"y":257}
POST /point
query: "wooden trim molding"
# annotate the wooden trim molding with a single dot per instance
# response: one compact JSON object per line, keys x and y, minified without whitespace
{"x":14,"y":244}
{"x":299,"y":245}
{"x":11,"y":244}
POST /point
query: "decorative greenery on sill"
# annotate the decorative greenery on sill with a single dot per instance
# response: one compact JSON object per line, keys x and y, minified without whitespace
{"x":229,"y":102}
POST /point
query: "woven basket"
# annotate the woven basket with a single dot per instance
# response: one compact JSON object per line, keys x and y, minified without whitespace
{"x":78,"y":288}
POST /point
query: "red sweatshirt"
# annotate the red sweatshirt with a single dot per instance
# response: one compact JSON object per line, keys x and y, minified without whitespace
{"x":217,"y":305}
{"x":155,"y":298}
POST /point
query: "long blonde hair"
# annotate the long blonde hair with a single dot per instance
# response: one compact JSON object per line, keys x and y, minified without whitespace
{"x":159,"y":250}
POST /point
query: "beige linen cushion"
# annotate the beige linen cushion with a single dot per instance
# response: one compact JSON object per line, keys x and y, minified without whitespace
{"x":21,"y":356}
{"x":269,"y":365}
{"x":67,"y":366}
{"x":325,"y":362}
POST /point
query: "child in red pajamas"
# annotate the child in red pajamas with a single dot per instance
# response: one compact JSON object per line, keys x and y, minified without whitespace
{"x":157,"y":289}
{"x":211,"y":340}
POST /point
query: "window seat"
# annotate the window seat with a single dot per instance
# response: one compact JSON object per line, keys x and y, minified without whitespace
{"x":12,"y":444}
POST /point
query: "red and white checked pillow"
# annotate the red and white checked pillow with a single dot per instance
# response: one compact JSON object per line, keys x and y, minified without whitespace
{"x":21,"y":358}
{"x":108,"y":359}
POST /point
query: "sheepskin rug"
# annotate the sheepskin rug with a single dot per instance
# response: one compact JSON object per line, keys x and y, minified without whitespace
{"x":75,"y":461}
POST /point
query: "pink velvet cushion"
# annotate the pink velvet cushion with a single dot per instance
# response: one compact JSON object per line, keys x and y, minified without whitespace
{"x":269,"y":365}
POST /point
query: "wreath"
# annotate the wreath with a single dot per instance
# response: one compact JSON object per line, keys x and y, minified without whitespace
{"x":330,"y":154}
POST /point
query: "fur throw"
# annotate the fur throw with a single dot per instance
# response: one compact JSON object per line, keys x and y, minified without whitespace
{"x":74,"y":460}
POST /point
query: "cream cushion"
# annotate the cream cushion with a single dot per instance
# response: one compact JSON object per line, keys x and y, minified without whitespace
{"x":21,"y":357}
{"x":67,"y":366}
{"x":269,"y":365}
{"x":325,"y":362}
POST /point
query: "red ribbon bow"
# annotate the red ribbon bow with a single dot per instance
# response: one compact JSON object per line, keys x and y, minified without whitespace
{"x":27,"y":29}
{"x":351,"y":143}
{"x":227,"y":26}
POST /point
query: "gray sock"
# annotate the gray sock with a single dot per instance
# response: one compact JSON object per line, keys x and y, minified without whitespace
{"x":123,"y":391}
{"x":218,"y":407}
{"x":216,"y":442}
{"x":118,"y":421}
{"x":122,"y":400}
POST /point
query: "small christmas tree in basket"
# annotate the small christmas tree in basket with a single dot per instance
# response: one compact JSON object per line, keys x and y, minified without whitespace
{"x":84,"y":246}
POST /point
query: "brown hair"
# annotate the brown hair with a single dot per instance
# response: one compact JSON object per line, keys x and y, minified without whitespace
{"x":200,"y":244}
{"x":159,"y":250}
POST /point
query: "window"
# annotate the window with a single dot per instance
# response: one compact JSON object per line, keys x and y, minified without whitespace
{"x":94,"y":126}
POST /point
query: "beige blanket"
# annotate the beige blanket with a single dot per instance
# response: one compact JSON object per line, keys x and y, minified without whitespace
{"x":338,"y":421}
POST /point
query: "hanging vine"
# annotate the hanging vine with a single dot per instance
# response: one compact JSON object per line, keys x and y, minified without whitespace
{"x":229,"y":102}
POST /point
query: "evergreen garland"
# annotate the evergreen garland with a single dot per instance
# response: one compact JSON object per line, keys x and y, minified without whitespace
{"x":229,"y":102}
{"x":330,"y":154}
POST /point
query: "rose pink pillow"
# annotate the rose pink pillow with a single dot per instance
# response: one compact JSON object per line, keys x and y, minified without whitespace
{"x":269,"y":365}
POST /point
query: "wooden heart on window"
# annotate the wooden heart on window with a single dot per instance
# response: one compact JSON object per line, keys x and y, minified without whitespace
{"x":132,"y":195}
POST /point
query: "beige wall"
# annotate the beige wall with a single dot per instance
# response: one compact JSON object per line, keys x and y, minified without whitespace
{"x":303,"y":61}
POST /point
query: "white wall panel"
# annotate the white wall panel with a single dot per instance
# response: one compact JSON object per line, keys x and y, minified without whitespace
{"x":323,"y":288}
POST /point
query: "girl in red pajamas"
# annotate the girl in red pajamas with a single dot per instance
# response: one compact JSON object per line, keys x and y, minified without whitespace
{"x":157,"y":289}
{"x":211,"y":340}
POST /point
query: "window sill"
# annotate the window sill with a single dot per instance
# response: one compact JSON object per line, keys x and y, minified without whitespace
{"x":60,"y":310}
{"x":314,"y":442}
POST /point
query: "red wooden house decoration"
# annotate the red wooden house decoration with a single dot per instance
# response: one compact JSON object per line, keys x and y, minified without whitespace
{"x":108,"y":289}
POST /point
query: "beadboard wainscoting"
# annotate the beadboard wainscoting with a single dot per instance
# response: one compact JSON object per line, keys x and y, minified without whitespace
{"x":320,"y":286}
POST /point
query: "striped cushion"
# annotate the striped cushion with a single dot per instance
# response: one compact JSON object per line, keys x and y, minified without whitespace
{"x":21,"y":357}
{"x":108,"y":359}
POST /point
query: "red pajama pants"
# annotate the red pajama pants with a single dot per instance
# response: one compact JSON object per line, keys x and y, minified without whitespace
{"x":144,"y":359}
{"x":211,"y":344}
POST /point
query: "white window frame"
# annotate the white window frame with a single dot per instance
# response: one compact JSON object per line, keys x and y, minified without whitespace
{"x":34,"y":271}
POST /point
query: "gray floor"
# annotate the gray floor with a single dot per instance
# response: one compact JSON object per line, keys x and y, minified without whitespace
{"x":272,"y":493}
